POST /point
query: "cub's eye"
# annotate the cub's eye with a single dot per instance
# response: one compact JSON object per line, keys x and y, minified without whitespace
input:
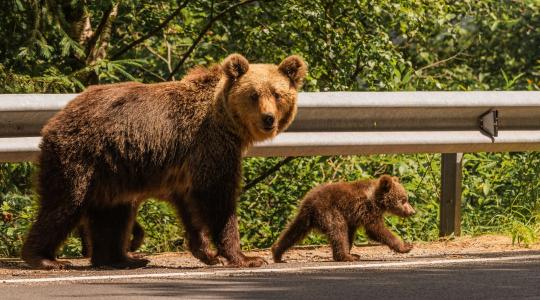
{"x":277,"y":96}
{"x":254,"y":97}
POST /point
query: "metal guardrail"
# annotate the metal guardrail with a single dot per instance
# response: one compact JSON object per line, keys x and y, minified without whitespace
{"x":343,"y":123}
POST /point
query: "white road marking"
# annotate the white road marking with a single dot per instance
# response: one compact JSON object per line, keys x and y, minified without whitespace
{"x":274,"y":270}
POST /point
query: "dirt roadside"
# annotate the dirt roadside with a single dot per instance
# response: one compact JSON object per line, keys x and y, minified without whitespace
{"x":461,"y":247}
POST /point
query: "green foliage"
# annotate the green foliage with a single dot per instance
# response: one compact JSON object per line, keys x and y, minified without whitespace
{"x":17,"y":206}
{"x":380,"y":45}
{"x":163,"y":232}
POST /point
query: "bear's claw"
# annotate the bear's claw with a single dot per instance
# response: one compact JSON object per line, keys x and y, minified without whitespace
{"x":50,"y":264}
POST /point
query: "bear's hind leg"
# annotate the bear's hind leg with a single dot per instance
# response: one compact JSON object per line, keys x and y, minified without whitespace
{"x":295,"y":232}
{"x":110,"y":230}
{"x":138,"y":236}
{"x":84,"y":234}
{"x":51,"y":228}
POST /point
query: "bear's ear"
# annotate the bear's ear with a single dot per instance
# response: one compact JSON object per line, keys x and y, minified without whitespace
{"x":235,"y":65}
{"x":295,"y":68}
{"x":385,"y":183}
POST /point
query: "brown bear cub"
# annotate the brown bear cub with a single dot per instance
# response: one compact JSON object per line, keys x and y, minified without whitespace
{"x":339,"y":209}
{"x":114,"y":146}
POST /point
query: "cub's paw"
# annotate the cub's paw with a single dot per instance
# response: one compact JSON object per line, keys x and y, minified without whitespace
{"x":278,"y":260}
{"x":276,"y":256}
{"x":404,"y":248}
{"x":356,"y":257}
{"x":348,"y":258}
{"x":249,"y":262}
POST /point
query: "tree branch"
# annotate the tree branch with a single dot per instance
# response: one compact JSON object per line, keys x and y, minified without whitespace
{"x":152,"y":32}
{"x":156,"y":54}
{"x":357,"y":69}
{"x":440,"y":62}
{"x":93,"y":40}
{"x":267,"y":173}
{"x":103,"y":33}
{"x":203,"y":32}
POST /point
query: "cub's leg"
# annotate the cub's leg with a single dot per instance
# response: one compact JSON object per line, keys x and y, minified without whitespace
{"x":378,"y":232}
{"x":337,"y":231}
{"x":295,"y":232}
{"x":352,"y":235}
{"x":110,"y":229}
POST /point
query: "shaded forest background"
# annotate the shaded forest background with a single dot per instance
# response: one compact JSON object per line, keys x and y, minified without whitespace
{"x":55,"y":46}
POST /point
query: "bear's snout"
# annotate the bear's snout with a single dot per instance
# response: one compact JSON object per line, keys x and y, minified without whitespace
{"x":409,"y":210}
{"x":268,"y":121}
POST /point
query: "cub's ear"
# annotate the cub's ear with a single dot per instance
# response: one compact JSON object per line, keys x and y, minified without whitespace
{"x":385,"y":183}
{"x":295,"y":68}
{"x":235,"y":65}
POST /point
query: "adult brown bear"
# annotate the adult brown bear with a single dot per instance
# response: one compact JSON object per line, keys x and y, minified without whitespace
{"x":116,"y":145}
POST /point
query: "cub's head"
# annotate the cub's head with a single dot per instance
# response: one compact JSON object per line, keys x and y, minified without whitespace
{"x":392,"y":197}
{"x":261,"y":98}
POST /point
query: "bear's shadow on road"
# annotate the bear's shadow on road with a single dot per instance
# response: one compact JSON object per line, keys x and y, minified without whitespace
{"x":461,"y":281}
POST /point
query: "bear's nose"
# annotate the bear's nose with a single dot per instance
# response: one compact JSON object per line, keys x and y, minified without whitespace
{"x":268,"y":121}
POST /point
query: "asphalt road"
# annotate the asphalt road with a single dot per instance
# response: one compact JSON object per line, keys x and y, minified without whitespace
{"x":462,"y":279}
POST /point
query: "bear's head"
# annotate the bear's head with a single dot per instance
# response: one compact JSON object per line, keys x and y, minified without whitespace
{"x":392,"y":197}
{"x":261,"y":98}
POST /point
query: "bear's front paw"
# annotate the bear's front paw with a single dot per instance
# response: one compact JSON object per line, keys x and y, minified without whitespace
{"x":404,"y":248}
{"x":249,"y":262}
{"x":50,"y":264}
{"x":210,"y":259}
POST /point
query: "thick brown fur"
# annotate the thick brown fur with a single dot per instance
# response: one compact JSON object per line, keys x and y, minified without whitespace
{"x":339,"y":209}
{"x":116,"y":145}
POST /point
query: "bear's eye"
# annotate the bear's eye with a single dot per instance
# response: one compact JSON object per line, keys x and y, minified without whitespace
{"x":277,"y":97}
{"x":254,"y":97}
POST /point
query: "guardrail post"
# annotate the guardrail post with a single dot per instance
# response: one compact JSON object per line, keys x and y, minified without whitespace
{"x":450,"y":205}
